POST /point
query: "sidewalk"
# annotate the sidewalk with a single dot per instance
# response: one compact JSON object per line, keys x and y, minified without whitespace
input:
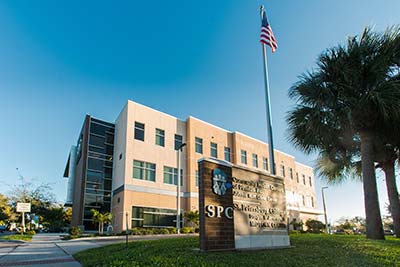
{"x":43,"y":250}
{"x":50,"y":250}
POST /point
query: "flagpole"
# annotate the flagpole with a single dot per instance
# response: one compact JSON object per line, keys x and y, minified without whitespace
{"x":268,"y":105}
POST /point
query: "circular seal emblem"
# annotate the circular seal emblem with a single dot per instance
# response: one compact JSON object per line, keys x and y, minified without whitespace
{"x":219,"y":182}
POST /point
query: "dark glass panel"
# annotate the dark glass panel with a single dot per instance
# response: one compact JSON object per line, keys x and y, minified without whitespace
{"x":95,"y":164}
{"x":149,"y":209}
{"x":89,"y":225}
{"x":107,"y":184}
{"x":110,"y":138}
{"x":109,"y":150}
{"x":106,"y":207}
{"x":96,"y":140}
{"x":94,"y":187}
{"x":94,"y":177}
{"x":137,"y":223}
{"x":150,"y":219}
{"x":178,"y":141}
{"x":108,"y":163}
{"x":108,"y":124}
{"x":107,"y":172}
{"x":139,"y":131}
{"x":137,"y":212}
{"x":93,"y":200}
{"x":97,"y":149}
{"x":100,"y":129}
{"x":166,"y":220}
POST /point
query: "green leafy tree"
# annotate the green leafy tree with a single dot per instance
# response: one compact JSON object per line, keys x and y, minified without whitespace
{"x":315,"y":226}
{"x":40,"y":196}
{"x":67,"y":215}
{"x":55,"y":217}
{"x":297,"y":225}
{"x":193,"y":217}
{"x":353,"y":92}
{"x":6,"y":211}
{"x":346,"y":225}
{"x":101,"y":218}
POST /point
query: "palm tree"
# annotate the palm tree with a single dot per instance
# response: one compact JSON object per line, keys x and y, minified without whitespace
{"x":337,"y":169}
{"x":101,"y":218}
{"x":193,"y":217}
{"x":354,"y":89}
{"x":388,"y":146}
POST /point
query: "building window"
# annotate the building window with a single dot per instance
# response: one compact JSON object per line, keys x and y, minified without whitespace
{"x":199,"y":145}
{"x":153,"y":217}
{"x":283,"y":170}
{"x":265,"y":164}
{"x":213,"y":150}
{"x":139,"y":131}
{"x":227,"y":154}
{"x":309,"y":180}
{"x":160,"y":137}
{"x":312,"y":202}
{"x":171,"y":176}
{"x":144,"y":170}
{"x":243,"y":156}
{"x":178,"y":141}
{"x":291,"y":173}
{"x":297,"y":177}
{"x":304,"y":179}
{"x":197,"y":178}
{"x":304,"y":200}
{"x":255,"y":161}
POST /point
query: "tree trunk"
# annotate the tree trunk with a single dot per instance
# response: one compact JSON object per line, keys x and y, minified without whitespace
{"x":371,"y":202}
{"x":388,"y":168}
{"x":99,"y":228}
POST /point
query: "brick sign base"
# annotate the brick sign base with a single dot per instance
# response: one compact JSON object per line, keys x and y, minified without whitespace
{"x":240,"y":208}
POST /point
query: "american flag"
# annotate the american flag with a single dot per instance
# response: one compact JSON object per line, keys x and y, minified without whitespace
{"x":267,"y":35}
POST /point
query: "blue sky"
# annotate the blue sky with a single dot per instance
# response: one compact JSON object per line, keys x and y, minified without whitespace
{"x":61,"y":60}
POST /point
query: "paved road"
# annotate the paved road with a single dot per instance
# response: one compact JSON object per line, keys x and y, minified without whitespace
{"x":50,"y":250}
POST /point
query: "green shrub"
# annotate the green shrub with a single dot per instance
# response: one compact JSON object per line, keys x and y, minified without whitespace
{"x":348,"y":232}
{"x":74,"y":231}
{"x":147,"y":231}
{"x":172,"y":230}
{"x":164,"y":231}
{"x":314,"y":226}
{"x":156,"y":231}
{"x":294,"y":232}
{"x":197,"y":230}
{"x":187,"y":230}
{"x":136,"y":231}
{"x":31,"y":232}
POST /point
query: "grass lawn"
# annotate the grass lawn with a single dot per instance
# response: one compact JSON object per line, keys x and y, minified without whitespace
{"x":17,"y":237}
{"x":309,"y":250}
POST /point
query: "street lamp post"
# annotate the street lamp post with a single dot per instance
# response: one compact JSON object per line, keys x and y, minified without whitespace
{"x":178,"y":189}
{"x":323,"y":203}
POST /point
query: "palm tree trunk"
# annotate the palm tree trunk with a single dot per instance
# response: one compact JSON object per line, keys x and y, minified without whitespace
{"x":371,"y":202}
{"x":393,"y":195}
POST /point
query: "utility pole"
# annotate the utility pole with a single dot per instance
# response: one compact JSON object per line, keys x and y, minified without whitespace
{"x":178,"y":190}
{"x":323,"y":203}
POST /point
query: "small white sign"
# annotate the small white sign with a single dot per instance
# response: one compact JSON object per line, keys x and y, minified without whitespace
{"x":23,"y":207}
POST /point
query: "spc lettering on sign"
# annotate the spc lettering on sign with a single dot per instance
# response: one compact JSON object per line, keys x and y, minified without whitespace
{"x":218,"y":211}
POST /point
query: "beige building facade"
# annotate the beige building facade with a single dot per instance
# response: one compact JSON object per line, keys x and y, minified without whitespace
{"x":145,"y":174}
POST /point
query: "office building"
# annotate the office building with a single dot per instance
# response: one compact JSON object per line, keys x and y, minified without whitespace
{"x":130,"y":167}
